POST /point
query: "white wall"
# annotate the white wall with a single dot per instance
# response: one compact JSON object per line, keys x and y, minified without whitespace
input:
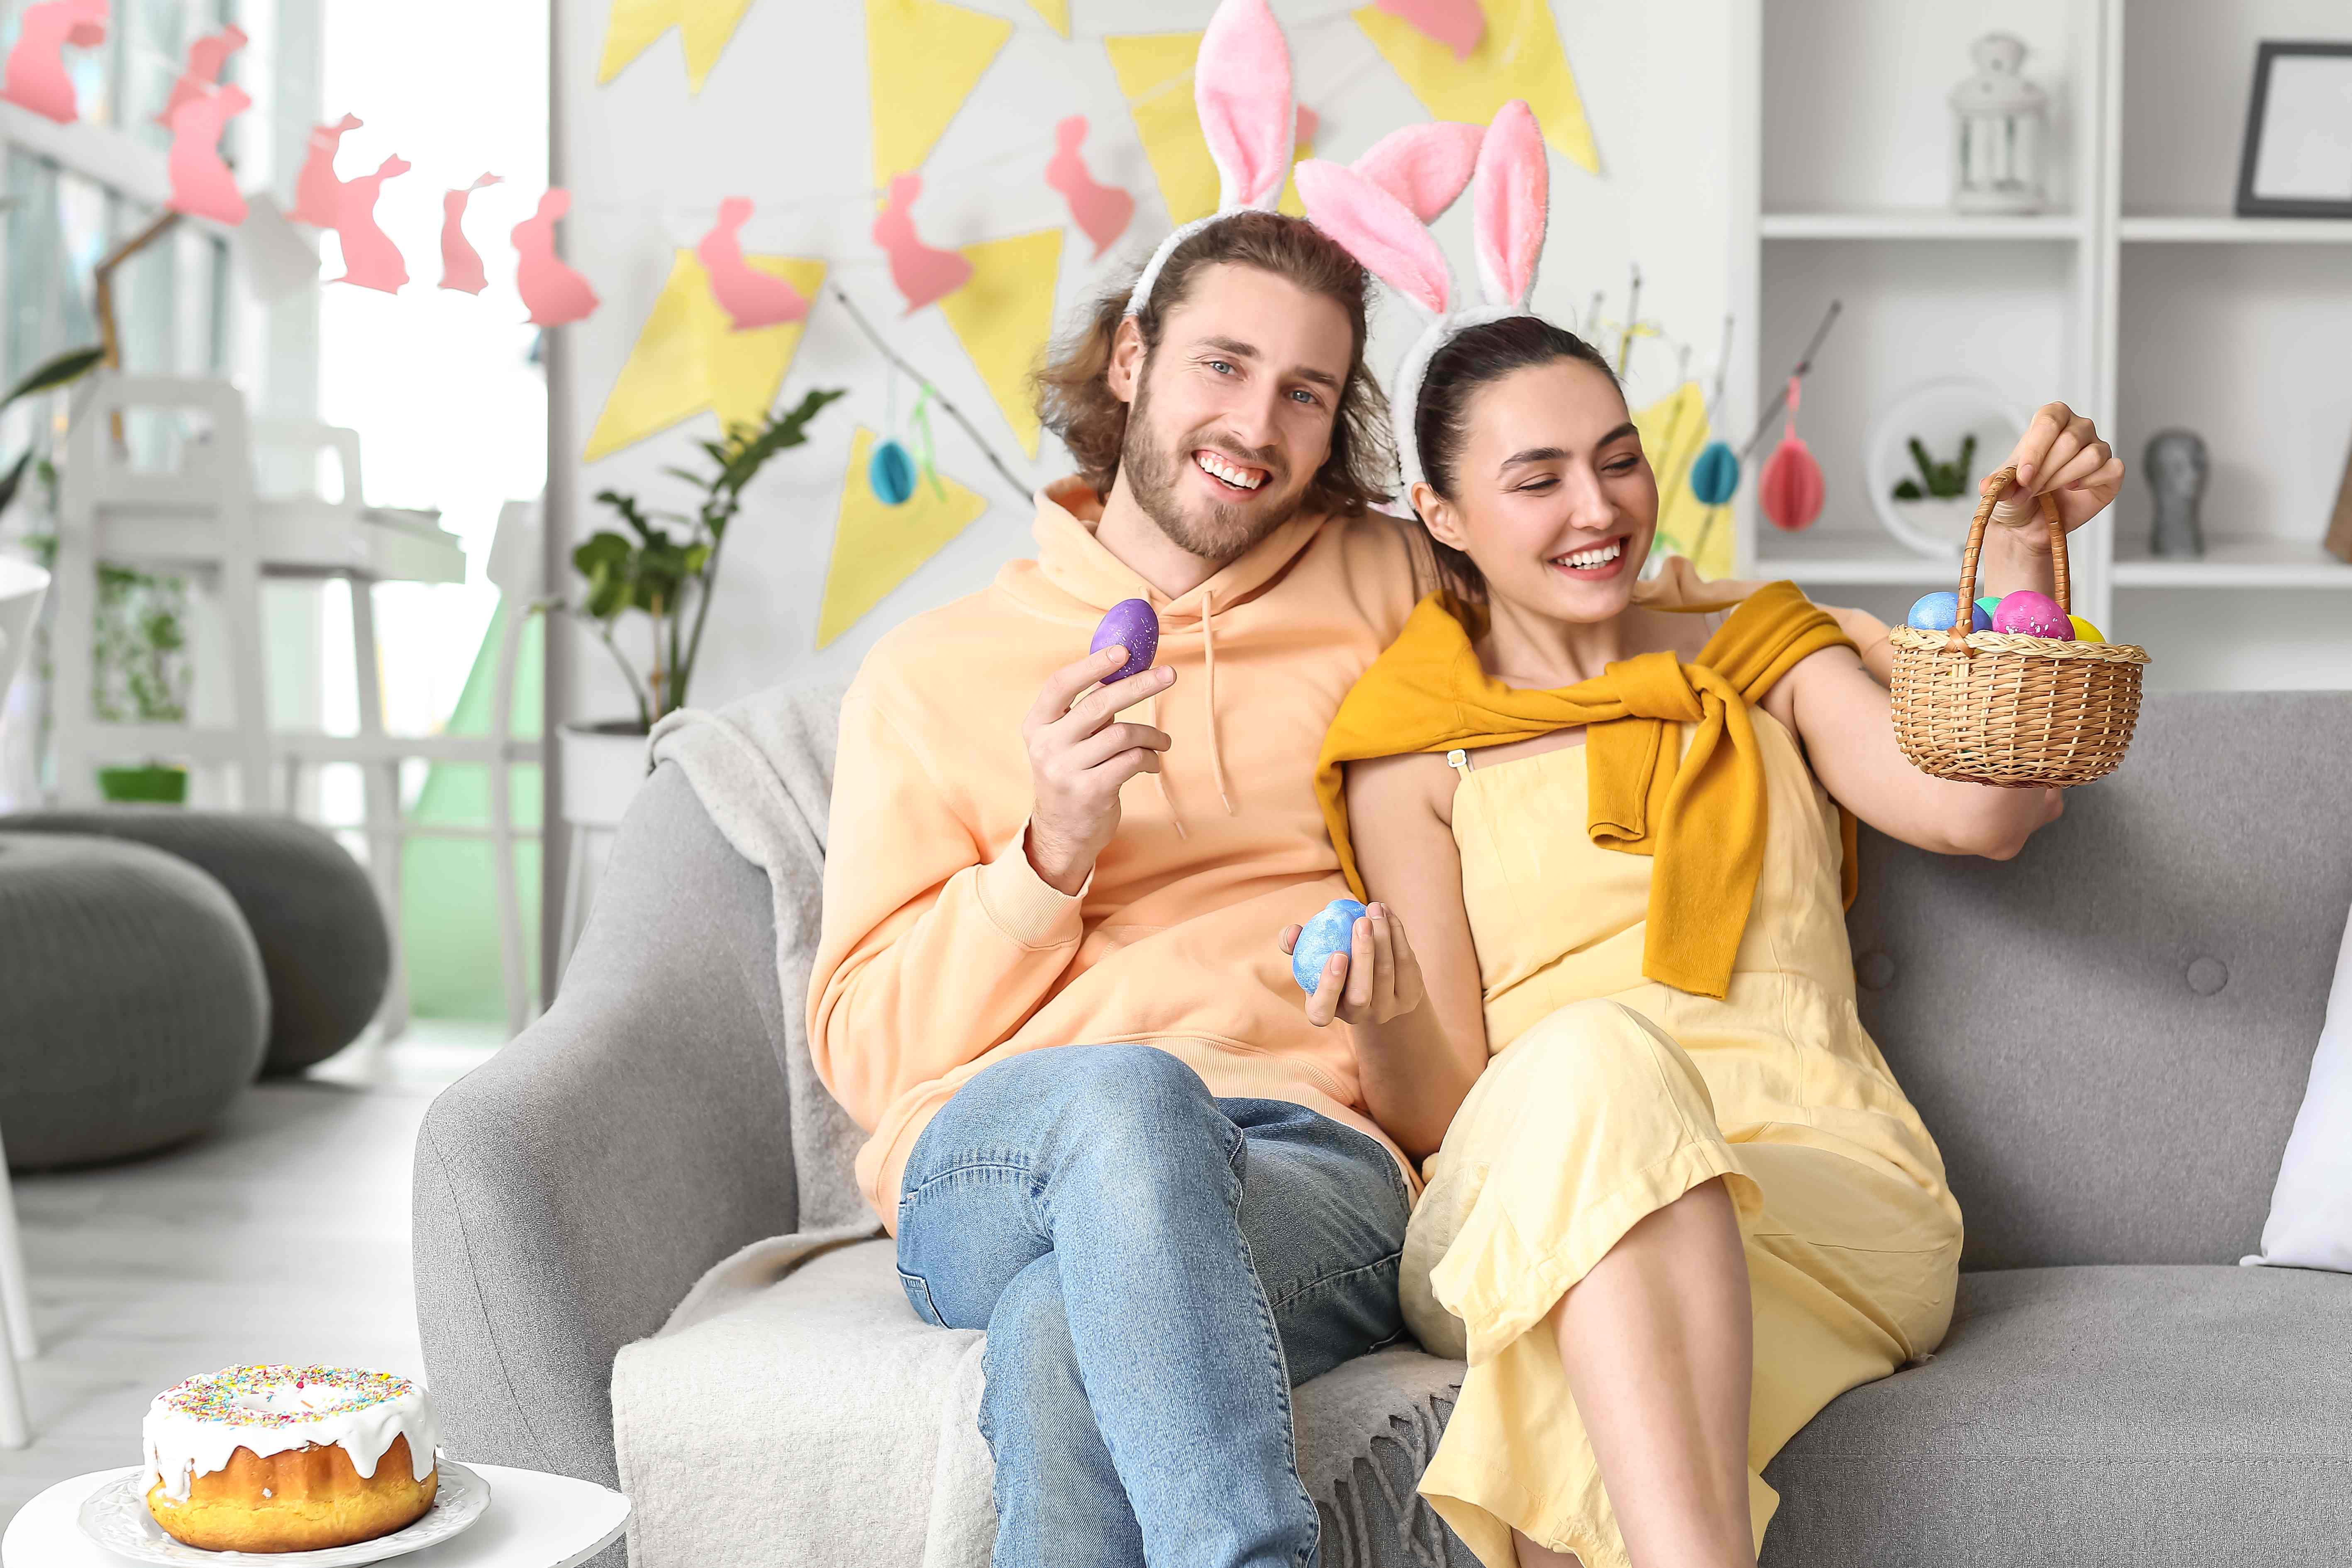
{"x":783,"y":121}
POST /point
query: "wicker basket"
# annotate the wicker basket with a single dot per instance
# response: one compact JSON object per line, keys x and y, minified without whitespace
{"x":1999,"y":708}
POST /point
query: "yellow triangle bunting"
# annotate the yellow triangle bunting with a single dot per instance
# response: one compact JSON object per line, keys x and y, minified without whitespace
{"x":1004,"y":315}
{"x":688,"y":357}
{"x":706,"y":26}
{"x":877,"y":546}
{"x":922,"y":59}
{"x":1056,"y":14}
{"x":1673,"y":429}
{"x":1155,"y":75}
{"x":1517,"y":56}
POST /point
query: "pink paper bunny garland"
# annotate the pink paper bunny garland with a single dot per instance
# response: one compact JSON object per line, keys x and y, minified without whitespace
{"x":202,"y":184}
{"x":1380,"y":209}
{"x":35,"y":77}
{"x":1101,"y":211}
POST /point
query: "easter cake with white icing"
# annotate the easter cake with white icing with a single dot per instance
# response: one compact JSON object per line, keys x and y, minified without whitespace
{"x":283,"y":1459}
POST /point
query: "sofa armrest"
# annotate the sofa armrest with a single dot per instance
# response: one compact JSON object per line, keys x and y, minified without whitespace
{"x":570,"y":1191}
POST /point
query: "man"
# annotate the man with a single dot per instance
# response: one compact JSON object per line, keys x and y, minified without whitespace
{"x":1102,"y":1128}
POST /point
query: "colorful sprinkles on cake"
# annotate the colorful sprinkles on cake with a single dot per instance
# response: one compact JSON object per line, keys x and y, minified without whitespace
{"x":220,"y":1396}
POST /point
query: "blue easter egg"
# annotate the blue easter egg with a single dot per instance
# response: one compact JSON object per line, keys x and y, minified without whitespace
{"x":1333,"y":930}
{"x":891,"y":472}
{"x":1934,"y":613}
{"x":1716,"y":475}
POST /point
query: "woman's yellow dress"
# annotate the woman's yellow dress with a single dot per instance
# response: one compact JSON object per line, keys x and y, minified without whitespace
{"x":1609,"y":1096}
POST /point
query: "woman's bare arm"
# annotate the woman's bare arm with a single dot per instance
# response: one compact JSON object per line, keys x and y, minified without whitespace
{"x":1418,"y":1052}
{"x":1843,"y":716}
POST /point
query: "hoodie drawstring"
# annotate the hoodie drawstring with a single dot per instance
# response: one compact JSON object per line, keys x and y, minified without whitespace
{"x":1161,"y":775}
{"x":1216,"y":751}
{"x":1209,"y":654}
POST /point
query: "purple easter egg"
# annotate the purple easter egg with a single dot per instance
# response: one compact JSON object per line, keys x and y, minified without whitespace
{"x":1132,"y":624}
{"x":2033,"y":614}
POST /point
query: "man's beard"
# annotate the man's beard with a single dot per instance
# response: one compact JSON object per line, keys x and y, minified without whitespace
{"x":1218,"y":531}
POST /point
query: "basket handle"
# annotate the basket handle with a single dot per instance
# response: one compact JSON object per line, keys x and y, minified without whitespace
{"x":1994,"y":484}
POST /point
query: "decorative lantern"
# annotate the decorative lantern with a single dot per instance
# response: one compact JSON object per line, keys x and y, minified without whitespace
{"x":890,"y":473}
{"x":1716,"y":475}
{"x":1999,"y":119}
{"x":1790,"y":490}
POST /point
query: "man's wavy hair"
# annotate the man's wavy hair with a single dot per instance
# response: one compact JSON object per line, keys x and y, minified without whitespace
{"x":1074,"y":395}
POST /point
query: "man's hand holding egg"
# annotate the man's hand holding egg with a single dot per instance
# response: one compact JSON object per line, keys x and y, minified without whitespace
{"x":1080,"y":756}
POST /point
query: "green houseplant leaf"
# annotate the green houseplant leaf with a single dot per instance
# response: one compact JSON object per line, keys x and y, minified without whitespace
{"x":666,"y":573}
{"x":71,"y":365}
{"x":13,"y":478}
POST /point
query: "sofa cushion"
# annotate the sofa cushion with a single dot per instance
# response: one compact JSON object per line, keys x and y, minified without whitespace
{"x":822,"y":1421}
{"x":2109,"y":1035}
{"x":2137,"y":1414}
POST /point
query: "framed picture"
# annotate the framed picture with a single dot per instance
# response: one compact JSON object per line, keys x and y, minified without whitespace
{"x":2297,"y":160}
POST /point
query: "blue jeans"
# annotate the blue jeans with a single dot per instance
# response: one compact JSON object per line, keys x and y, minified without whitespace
{"x":1155,"y":1267}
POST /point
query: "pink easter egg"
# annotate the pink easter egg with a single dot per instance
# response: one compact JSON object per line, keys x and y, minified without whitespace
{"x":2033,"y":614}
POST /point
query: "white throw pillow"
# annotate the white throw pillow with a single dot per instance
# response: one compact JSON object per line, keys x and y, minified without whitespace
{"x":2311,"y":1208}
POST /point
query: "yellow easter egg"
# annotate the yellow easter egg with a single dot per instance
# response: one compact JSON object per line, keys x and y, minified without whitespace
{"x":2084,"y":630}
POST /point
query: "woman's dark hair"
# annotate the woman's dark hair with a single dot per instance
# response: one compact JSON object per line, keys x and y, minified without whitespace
{"x":1470,"y":360}
{"x":1073,"y":388}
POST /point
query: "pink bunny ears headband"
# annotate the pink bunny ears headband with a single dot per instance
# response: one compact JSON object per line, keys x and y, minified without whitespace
{"x":1380,"y":209}
{"x":1241,"y":89}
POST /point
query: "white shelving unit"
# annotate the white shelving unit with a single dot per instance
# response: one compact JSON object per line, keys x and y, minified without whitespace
{"x":2195,"y":230}
{"x":2137,"y":298}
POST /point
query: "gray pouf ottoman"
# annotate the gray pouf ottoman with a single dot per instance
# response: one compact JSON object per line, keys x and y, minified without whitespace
{"x":309,"y":904}
{"x":132,"y":1008}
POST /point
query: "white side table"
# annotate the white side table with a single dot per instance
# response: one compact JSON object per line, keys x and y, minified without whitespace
{"x":535,"y":1520}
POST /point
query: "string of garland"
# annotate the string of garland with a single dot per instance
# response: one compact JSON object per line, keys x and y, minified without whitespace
{"x":931,"y":392}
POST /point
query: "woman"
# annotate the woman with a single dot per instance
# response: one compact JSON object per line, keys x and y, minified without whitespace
{"x":1685,"y":1205}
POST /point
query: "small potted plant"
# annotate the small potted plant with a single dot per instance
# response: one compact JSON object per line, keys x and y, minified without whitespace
{"x":661,"y":569}
{"x":139,"y":641}
{"x":139,"y":655}
{"x":1941,"y":501}
{"x":144,"y":673}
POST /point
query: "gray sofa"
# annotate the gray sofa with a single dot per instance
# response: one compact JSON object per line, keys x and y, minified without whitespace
{"x":2109,"y":1038}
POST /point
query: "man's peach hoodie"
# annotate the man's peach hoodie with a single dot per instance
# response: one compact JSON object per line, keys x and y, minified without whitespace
{"x":942,"y":950}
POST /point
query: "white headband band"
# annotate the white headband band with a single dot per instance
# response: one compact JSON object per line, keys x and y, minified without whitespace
{"x":1404,"y":397}
{"x":1140,"y":295}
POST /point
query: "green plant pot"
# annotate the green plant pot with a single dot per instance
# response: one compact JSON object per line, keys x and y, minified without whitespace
{"x":157,"y":784}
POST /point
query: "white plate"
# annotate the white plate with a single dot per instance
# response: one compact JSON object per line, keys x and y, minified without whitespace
{"x":116,"y":1517}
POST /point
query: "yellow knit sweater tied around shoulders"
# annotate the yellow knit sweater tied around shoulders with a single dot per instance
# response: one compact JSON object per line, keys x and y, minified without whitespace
{"x":1703,"y":819}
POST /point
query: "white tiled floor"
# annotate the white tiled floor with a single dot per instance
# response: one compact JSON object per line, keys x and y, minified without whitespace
{"x":280,"y":1236}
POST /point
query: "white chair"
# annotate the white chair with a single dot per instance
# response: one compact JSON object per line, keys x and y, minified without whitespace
{"x":21,"y":587}
{"x":304,"y":534}
{"x":197,"y":518}
{"x":517,"y":568}
{"x":206,"y":517}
